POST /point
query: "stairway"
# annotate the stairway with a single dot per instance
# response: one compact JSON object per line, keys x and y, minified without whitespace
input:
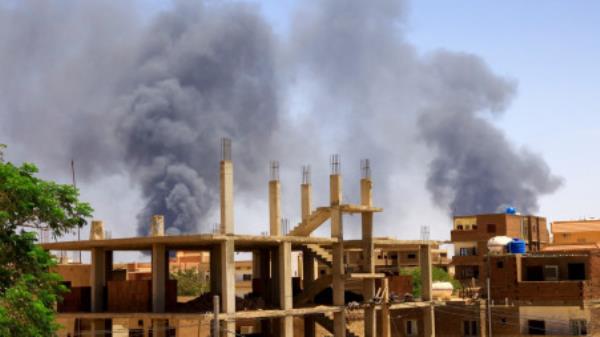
{"x":320,"y":254}
{"x":326,"y":321}
{"x":308,"y":294}
{"x":316,"y":219}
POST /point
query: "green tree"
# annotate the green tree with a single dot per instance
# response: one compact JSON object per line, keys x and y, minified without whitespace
{"x":437,"y":274}
{"x":28,"y":291}
{"x":190,"y":282}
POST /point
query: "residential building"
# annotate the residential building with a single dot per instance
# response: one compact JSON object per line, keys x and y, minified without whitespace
{"x":576,"y":232}
{"x":471,"y":233}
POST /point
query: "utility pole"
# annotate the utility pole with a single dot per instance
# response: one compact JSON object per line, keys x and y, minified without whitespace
{"x":489,"y":297}
{"x":78,"y":228}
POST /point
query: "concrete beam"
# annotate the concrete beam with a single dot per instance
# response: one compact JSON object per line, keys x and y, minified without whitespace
{"x":285,"y":288}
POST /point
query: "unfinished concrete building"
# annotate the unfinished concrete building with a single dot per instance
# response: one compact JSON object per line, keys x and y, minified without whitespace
{"x":358,"y":304}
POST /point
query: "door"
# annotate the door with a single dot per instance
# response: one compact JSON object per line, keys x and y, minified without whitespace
{"x":536,"y":327}
{"x":576,"y":271}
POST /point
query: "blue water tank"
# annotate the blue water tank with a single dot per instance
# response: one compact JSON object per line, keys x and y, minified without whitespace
{"x":517,"y":246}
{"x":511,"y":210}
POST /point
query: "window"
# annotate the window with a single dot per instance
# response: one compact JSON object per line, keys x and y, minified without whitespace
{"x":576,"y":271}
{"x":470,"y":328}
{"x":459,"y":227}
{"x":411,"y":256}
{"x":500,"y":264}
{"x":247,"y":277}
{"x":410,"y":327}
{"x":491,"y":228}
{"x":550,"y":273}
{"x":578,"y":327}
{"x":536,"y":327}
{"x":535,"y":273}
{"x":467,"y":251}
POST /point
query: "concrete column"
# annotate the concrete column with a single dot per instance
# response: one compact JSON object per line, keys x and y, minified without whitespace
{"x":368,"y":265}
{"x":97,"y":230}
{"x":285,"y":288}
{"x":310,"y":273}
{"x":227,"y":197}
{"x":157,"y":227}
{"x":215,"y":270}
{"x":426,"y":280}
{"x":227,"y":279}
{"x":338,"y":271}
{"x":159,"y":277}
{"x":385,"y":310}
{"x":98,"y":278}
{"x":275,"y":208}
{"x":335,"y":189}
{"x":305,"y":200}
{"x":99,"y":327}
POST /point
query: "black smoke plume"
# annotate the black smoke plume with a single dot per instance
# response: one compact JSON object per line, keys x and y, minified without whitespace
{"x":150,"y":99}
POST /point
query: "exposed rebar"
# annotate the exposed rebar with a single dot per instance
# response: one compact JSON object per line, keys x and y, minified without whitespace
{"x":365,"y":168}
{"x":226,"y":149}
{"x":306,"y":178}
{"x":334,"y":160}
{"x":275,"y":170}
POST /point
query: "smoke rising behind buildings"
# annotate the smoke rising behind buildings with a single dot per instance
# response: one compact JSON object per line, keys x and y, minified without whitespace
{"x":150,"y":99}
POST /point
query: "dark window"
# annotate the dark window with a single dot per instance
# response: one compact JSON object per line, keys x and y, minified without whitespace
{"x":536,"y":327}
{"x":500,"y":264}
{"x":470,"y":328}
{"x":576,"y":271}
{"x":474,"y":227}
{"x":535,"y":273}
{"x":459,"y":227}
{"x":411,"y":256}
{"x":247,"y":277}
{"x":491,"y":228}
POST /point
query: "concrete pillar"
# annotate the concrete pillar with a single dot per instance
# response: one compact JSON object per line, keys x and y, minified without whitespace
{"x":97,"y":230}
{"x":305,"y":200}
{"x":227,"y":279}
{"x":368,"y":265}
{"x":159,"y":277}
{"x":99,"y":327}
{"x":227,"y":197}
{"x":426,"y":280}
{"x":98,"y":276}
{"x":385,"y":310}
{"x":215,"y":270}
{"x":335,"y":189}
{"x":309,"y":275}
{"x":157,"y":227}
{"x":285,"y":288}
{"x":338,"y":270}
{"x":275,"y":208}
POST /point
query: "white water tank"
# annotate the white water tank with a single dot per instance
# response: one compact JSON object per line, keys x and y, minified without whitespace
{"x":497,"y":244}
{"x":441,"y":290}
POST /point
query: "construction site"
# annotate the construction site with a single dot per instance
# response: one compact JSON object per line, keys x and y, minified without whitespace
{"x":338,"y":286}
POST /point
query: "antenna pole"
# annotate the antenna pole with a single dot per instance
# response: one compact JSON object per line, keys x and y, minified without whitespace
{"x":75,"y":185}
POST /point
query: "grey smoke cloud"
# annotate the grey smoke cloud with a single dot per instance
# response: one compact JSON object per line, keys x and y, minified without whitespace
{"x":151,"y":99}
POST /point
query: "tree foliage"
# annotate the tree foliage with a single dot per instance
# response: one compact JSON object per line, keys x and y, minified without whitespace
{"x":190,"y":282}
{"x":28,"y":291}
{"x":437,"y":274}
